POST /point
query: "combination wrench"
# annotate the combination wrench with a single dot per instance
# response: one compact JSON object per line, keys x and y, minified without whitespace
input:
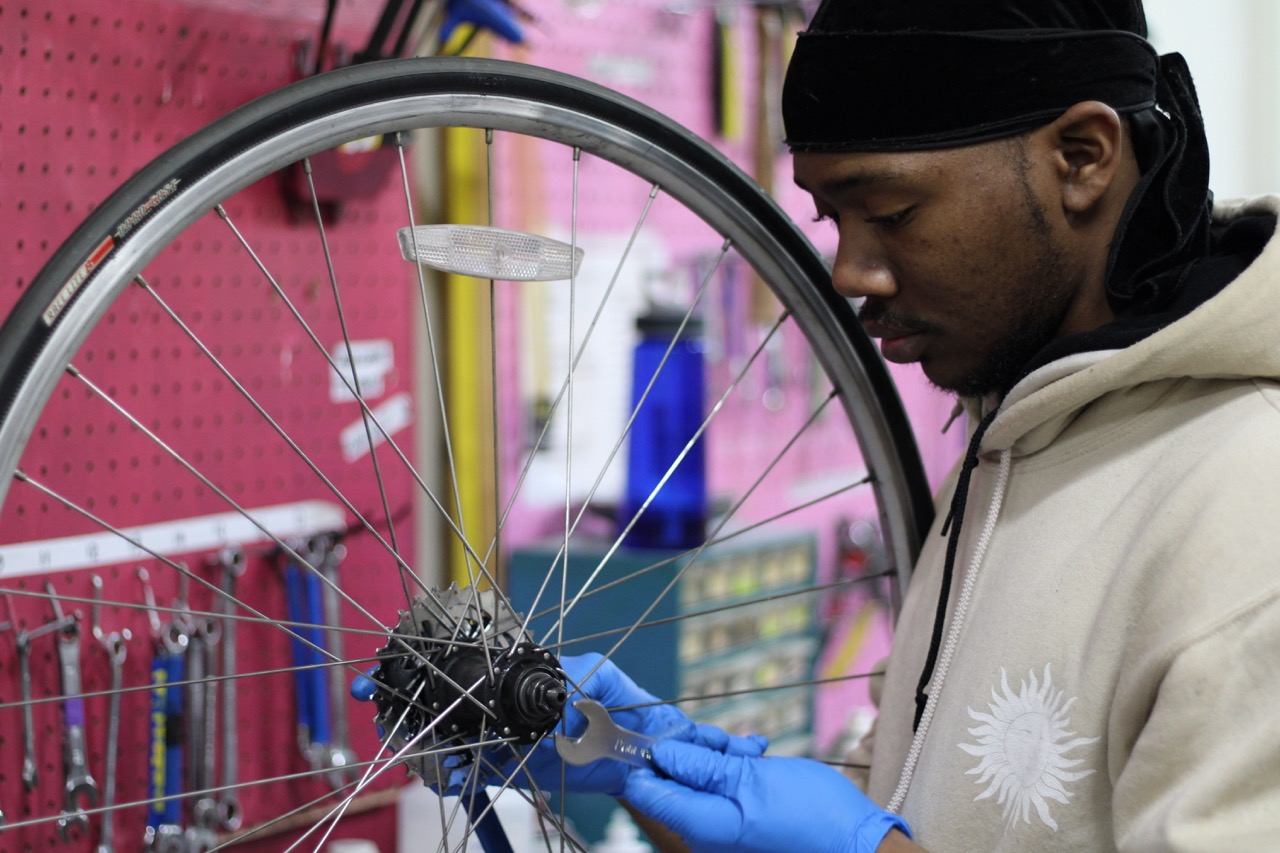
{"x":22,"y":639}
{"x":339,"y":756}
{"x":230,"y":816}
{"x":189,"y":715}
{"x":114,"y":645}
{"x":80,"y":788}
{"x":201,"y":740}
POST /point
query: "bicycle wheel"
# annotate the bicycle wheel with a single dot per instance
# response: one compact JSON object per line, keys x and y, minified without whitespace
{"x":275,"y":428}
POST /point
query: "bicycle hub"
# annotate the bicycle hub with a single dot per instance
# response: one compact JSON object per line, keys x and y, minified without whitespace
{"x":459,"y":669}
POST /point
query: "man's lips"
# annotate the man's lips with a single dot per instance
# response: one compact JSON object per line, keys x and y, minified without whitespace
{"x":898,"y":344}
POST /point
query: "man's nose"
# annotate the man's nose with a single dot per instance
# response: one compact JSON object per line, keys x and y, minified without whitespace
{"x":860,"y":270}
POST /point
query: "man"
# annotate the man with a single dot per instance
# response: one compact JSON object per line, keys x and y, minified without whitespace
{"x":1087,"y":658}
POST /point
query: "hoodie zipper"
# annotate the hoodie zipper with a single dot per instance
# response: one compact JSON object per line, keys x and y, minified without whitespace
{"x":940,"y":655}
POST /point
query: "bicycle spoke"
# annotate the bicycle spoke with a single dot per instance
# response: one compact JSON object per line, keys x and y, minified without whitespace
{"x":269,"y":421}
{"x":366,"y":412}
{"x":231,"y":502}
{"x":457,"y":522}
{"x":355,"y":378}
{"x":568,"y":456}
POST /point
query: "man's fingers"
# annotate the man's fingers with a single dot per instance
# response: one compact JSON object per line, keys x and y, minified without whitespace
{"x":698,"y":767}
{"x":363,"y":687}
{"x":714,"y":737}
{"x":675,"y":806}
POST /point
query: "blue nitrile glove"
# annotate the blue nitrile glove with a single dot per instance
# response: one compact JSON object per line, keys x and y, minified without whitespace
{"x":362,"y":688}
{"x":722,"y":803}
{"x":612,"y":688}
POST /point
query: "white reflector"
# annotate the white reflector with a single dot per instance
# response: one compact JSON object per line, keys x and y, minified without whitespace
{"x":489,"y":252}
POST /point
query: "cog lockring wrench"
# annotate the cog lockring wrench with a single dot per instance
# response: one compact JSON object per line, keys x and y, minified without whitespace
{"x":604,"y":739}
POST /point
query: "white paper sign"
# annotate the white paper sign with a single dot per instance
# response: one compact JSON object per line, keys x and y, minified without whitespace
{"x":373,"y":361}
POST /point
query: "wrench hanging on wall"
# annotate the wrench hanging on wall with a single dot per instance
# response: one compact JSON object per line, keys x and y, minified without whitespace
{"x":293,"y":597}
{"x":22,"y":639}
{"x":230,"y":817}
{"x":114,"y":645}
{"x":201,"y":741}
{"x":339,"y":757}
{"x":81,"y":790}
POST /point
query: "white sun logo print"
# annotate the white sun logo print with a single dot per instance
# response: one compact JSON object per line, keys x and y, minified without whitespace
{"x":1023,"y":743}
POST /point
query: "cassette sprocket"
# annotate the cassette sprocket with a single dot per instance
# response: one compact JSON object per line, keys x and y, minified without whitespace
{"x":459,"y":671}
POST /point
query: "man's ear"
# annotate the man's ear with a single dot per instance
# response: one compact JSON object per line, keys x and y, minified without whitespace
{"x":1089,"y":145}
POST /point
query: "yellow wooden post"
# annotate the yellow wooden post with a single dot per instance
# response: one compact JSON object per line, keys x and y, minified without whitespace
{"x":468,"y":371}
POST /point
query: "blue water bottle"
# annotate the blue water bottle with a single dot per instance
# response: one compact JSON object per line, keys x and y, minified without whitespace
{"x":669,"y":417}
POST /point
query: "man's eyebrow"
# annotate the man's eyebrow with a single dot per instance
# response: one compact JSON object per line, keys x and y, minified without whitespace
{"x":854,"y":180}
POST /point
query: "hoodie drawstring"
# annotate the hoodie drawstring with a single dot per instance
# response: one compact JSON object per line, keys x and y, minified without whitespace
{"x":953,"y":636}
{"x":955,"y":520}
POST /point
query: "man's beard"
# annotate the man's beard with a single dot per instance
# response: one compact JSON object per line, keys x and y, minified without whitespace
{"x":1006,"y":361}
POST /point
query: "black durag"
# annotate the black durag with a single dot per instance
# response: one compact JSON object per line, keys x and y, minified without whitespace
{"x":913,"y":75}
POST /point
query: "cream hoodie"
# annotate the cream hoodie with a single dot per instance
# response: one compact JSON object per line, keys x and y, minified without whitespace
{"x":1110,"y":671}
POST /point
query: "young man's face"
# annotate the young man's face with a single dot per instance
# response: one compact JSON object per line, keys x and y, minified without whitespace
{"x":957,"y":254}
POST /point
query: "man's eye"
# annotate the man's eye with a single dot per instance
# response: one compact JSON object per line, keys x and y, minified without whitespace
{"x":891,"y":219}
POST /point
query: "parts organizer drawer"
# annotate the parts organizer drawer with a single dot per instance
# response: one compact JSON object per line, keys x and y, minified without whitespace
{"x":741,"y":618}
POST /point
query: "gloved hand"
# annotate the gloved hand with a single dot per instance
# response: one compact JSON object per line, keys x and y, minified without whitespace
{"x":541,"y":765}
{"x":612,"y":688}
{"x":725,"y":803}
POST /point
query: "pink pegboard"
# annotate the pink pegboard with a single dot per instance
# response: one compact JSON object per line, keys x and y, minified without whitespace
{"x":89,"y":92}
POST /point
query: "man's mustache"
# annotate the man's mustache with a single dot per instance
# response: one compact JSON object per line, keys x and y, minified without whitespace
{"x":881,"y":315}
